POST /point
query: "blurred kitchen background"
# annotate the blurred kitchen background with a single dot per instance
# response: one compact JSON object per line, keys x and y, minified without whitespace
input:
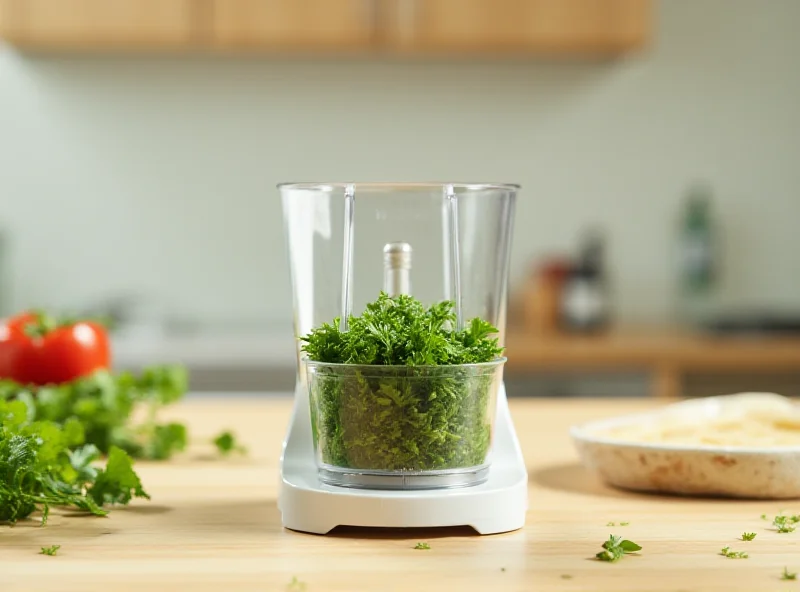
{"x":656,"y":247}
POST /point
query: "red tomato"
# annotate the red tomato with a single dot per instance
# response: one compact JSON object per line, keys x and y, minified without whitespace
{"x":51,"y":355}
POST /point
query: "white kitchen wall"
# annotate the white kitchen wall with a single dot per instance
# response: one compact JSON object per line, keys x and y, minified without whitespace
{"x":156,"y":174}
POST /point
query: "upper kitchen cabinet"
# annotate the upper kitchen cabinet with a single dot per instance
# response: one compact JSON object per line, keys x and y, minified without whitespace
{"x":98,"y":24}
{"x":299,"y":25}
{"x":516,"y":26}
{"x":455,"y":27}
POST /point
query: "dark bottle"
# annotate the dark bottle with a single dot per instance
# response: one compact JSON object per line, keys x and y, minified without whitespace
{"x":698,"y":265}
{"x":585,"y":302}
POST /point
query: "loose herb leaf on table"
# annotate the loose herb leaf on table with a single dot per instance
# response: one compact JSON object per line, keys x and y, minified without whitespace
{"x":118,"y":483}
{"x":424,"y":547}
{"x":615,"y":548}
{"x":784,"y":524}
{"x":52,"y":550}
{"x":726,"y":552}
{"x":226,"y":444}
{"x":400,"y":389}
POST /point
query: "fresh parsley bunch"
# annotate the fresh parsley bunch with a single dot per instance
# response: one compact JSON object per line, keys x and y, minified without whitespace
{"x":104,"y":404}
{"x":44,"y":465}
{"x":399,"y":389}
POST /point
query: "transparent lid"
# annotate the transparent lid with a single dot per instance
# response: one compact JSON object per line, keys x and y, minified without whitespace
{"x":435,"y":241}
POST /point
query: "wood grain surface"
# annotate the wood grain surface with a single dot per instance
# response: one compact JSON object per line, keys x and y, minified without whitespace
{"x":214,"y":525}
{"x":668,"y":354}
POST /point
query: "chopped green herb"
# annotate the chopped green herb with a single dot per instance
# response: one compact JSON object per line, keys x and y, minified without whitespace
{"x":399,"y":396}
{"x":763,"y":516}
{"x":426,"y":546}
{"x":502,"y":569}
{"x":788,"y":575}
{"x":566,"y":577}
{"x":400,"y":331}
{"x":296,"y":585}
{"x":51,"y":551}
{"x":726,"y":552}
{"x":615,"y":547}
{"x":795,"y":518}
{"x":610,"y":524}
{"x":226,"y":444}
{"x":624,"y":523}
{"x":783,"y":524}
{"x":748,"y":536}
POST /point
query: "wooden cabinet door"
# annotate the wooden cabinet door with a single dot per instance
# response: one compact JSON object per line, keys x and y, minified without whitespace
{"x":98,"y":23}
{"x":294,"y":24}
{"x":486,"y":26}
{"x":587,"y":25}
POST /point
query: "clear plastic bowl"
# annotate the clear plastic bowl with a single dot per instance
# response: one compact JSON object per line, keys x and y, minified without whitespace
{"x":403,"y":427}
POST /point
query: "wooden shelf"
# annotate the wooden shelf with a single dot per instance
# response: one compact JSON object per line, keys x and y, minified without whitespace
{"x":370,"y":27}
{"x":517,"y":26}
{"x":98,"y":24}
{"x":667,"y":353}
{"x":297,"y":25}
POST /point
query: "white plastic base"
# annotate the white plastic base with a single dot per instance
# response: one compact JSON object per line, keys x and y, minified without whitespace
{"x":499,"y":505}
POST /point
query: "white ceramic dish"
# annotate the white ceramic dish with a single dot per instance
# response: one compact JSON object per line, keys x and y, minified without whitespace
{"x":709,"y":470}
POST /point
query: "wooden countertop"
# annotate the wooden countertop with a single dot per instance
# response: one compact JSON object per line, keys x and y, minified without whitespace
{"x":667,"y":353}
{"x":633,"y":347}
{"x":214,"y":525}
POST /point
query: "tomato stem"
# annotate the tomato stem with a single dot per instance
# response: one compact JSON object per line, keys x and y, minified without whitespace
{"x":41,"y":325}
{"x":44,"y":323}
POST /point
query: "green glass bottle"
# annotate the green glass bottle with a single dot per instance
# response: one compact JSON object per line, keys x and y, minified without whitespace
{"x":698,"y":265}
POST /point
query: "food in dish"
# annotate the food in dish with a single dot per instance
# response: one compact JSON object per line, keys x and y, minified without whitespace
{"x":751,"y":420}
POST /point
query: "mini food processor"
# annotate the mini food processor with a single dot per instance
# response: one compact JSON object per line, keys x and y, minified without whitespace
{"x":411,"y":445}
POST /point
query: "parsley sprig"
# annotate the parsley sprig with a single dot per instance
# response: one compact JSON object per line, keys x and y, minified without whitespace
{"x":615,"y":548}
{"x":51,"y":550}
{"x":105,"y":405}
{"x":422,"y":546}
{"x":227,"y":443}
{"x":43,"y":465}
{"x":784,"y":524}
{"x":748,"y":536}
{"x":726,"y":552}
